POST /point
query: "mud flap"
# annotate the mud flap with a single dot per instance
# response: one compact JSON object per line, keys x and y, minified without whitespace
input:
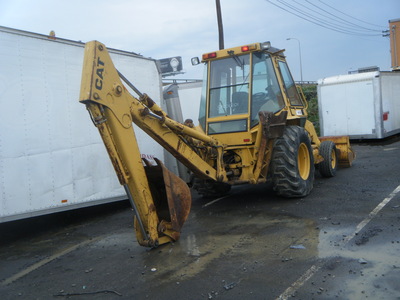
{"x":346,"y":154}
{"x":171,"y":196}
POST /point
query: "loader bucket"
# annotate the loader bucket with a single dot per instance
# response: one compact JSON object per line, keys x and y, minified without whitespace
{"x":346,"y":154}
{"x":171,"y":196}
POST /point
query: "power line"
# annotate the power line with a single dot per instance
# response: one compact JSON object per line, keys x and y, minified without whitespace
{"x":337,"y":17}
{"x":323,"y":22}
{"x":328,"y":24}
{"x":303,"y":12}
{"x":380,"y":26}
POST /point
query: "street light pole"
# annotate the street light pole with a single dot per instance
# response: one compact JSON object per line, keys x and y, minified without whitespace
{"x":301,"y":68}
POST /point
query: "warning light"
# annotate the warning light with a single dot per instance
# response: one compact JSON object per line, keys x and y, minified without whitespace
{"x":210,"y":55}
{"x":247,"y":48}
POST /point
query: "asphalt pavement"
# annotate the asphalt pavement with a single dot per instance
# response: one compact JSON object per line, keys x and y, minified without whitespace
{"x":340,"y":242}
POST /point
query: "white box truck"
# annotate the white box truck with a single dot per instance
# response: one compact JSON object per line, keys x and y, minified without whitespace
{"x":51,"y":156}
{"x":362,"y":105}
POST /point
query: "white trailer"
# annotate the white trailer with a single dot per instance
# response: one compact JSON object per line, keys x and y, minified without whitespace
{"x":362,"y":106}
{"x":186,"y":95}
{"x":51,"y":156}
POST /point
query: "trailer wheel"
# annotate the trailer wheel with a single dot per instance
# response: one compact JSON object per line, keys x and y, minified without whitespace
{"x":292,"y":165}
{"x":328,"y":167}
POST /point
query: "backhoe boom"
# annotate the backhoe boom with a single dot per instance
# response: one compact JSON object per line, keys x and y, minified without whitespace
{"x":159,"y":215}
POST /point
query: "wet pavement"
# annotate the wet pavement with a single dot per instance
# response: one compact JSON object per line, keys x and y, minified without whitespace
{"x":340,"y":242}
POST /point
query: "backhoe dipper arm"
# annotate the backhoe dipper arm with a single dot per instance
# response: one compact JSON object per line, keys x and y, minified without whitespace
{"x":160,"y":209}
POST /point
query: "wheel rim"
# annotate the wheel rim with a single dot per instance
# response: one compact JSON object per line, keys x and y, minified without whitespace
{"x":333,"y":159}
{"x":303,"y":161}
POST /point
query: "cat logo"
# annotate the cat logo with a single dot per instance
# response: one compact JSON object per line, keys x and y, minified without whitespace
{"x":99,"y":73}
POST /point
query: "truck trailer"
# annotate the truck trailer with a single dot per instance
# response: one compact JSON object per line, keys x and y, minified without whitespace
{"x":362,"y":105}
{"x":51,"y":157}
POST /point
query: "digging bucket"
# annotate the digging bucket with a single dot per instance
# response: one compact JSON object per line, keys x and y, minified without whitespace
{"x":171,"y":196}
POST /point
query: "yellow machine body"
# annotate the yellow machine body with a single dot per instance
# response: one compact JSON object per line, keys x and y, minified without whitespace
{"x":253,"y":128}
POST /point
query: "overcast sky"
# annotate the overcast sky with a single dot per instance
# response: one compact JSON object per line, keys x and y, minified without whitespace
{"x":165,"y":28}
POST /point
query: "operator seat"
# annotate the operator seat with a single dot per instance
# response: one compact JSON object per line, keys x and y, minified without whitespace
{"x":240,"y":102}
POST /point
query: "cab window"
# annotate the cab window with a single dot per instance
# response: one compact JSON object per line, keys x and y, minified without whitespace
{"x":290,"y":86}
{"x":266,"y":93}
{"x":203,"y":99}
{"x":229,"y":86}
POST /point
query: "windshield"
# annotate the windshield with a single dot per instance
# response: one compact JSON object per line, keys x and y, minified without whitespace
{"x":230,"y":91}
{"x":229,"y":86}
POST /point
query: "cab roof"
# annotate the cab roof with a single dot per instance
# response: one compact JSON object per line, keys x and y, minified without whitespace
{"x":265,"y":46}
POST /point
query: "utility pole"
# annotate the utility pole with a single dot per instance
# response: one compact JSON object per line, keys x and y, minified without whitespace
{"x":220,"y":27}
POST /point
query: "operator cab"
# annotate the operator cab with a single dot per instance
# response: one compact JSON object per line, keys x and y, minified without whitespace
{"x":238,"y":83}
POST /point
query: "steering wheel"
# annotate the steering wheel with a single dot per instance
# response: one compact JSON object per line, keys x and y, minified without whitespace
{"x":259,"y":96}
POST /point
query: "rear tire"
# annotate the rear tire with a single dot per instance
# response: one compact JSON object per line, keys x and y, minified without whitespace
{"x":292,"y":165}
{"x":328,"y":167}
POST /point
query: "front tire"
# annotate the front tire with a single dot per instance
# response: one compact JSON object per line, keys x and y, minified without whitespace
{"x":292,"y":165}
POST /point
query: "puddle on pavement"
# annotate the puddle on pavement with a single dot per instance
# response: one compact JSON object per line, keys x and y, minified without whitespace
{"x":255,"y":236}
{"x":371,"y":269}
{"x":332,"y":239}
{"x":379,"y":279}
{"x":369,"y":272}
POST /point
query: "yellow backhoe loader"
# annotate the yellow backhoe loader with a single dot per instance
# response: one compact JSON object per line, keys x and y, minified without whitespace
{"x":253,"y":128}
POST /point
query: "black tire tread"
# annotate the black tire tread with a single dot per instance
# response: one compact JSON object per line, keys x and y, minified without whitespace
{"x":285,"y":176}
{"x":325,"y":167}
